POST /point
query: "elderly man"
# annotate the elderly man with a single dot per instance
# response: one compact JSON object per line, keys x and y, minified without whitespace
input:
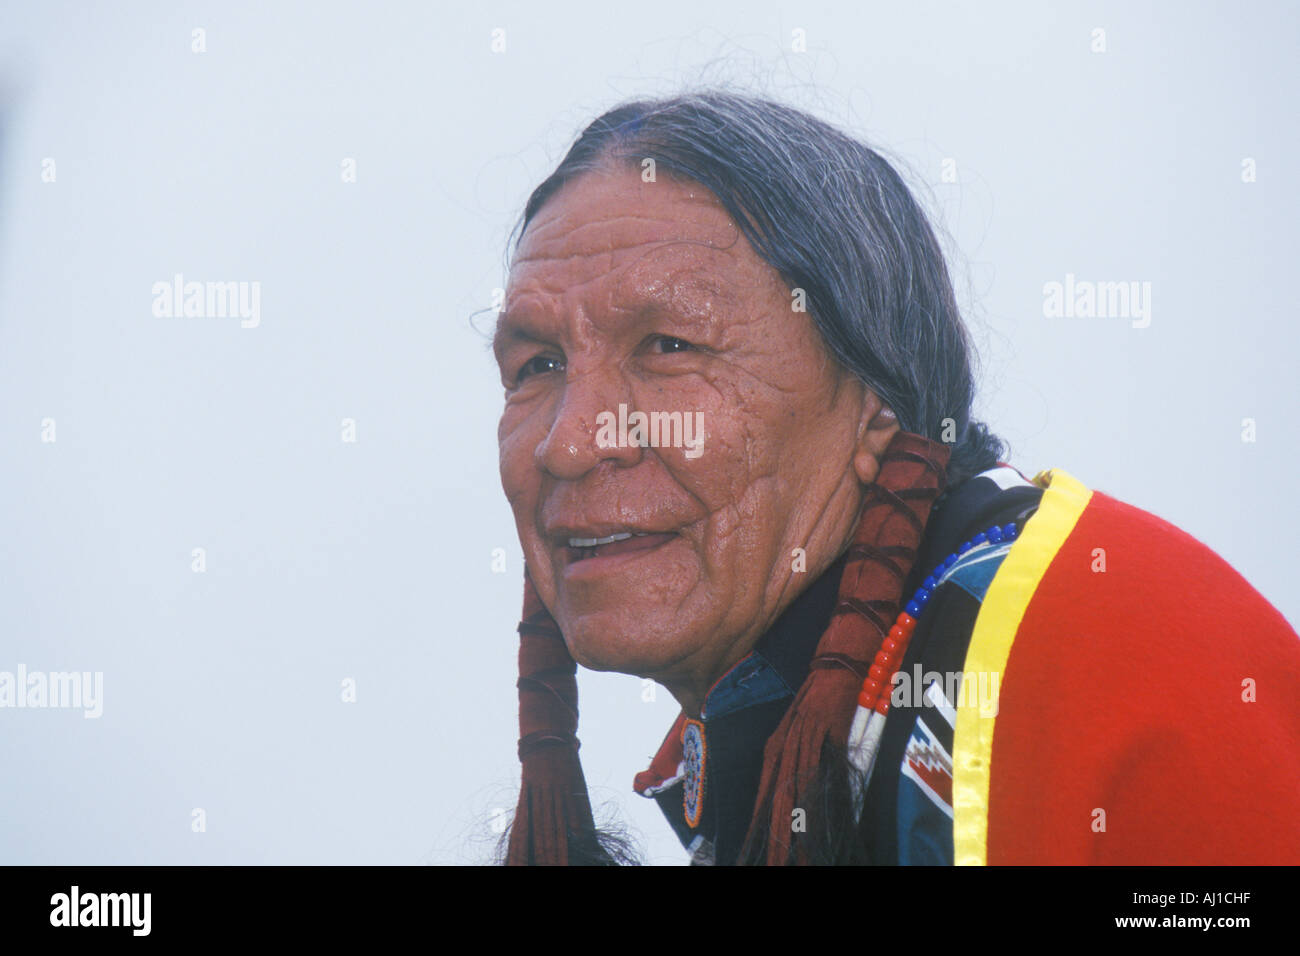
{"x":738,"y":446}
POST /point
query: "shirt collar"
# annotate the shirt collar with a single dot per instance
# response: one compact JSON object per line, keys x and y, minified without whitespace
{"x":776,"y":668}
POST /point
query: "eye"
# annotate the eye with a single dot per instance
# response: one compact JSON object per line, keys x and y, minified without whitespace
{"x":667,"y":344}
{"x":539,"y":364}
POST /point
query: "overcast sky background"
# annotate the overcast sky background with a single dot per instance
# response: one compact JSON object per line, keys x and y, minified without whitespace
{"x":372,"y":560}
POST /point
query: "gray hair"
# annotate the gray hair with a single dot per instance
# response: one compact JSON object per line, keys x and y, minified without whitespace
{"x":833,"y":218}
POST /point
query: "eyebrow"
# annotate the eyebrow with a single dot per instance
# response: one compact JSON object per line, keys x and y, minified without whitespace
{"x":511,"y":330}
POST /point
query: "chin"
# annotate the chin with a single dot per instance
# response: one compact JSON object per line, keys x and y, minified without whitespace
{"x":638,"y":653}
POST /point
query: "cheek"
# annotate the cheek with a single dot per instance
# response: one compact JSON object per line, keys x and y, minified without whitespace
{"x":714,"y":470}
{"x":761,"y":488}
{"x":748,"y":438}
{"x":519,"y":476}
{"x":732,"y":480}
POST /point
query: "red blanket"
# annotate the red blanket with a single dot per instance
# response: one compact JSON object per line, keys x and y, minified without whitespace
{"x":1148,"y":709}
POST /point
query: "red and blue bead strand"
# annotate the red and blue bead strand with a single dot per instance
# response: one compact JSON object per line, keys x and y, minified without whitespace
{"x":873,"y":699}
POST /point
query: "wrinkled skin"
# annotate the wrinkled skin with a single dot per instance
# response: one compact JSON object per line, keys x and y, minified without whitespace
{"x":647,"y":294}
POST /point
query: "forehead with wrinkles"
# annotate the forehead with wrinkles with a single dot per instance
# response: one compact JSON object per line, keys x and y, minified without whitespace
{"x":612,"y":211}
{"x":631,"y":242}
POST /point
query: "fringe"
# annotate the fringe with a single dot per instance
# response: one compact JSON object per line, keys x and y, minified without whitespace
{"x":912,"y":476}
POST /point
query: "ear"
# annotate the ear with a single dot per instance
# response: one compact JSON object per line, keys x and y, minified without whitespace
{"x":875,"y":431}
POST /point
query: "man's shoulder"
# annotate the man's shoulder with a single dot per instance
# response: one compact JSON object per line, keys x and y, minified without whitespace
{"x":1094,"y":547}
{"x":1140,"y":676}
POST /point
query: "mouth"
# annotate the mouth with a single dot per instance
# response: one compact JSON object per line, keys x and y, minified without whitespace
{"x":623,"y":543}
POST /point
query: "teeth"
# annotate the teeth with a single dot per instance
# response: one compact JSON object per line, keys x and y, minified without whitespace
{"x":594,"y":542}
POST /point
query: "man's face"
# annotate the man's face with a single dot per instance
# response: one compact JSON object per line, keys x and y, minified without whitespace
{"x":646,"y":295}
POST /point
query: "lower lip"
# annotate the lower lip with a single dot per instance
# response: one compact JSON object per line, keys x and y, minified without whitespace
{"x":625,"y":553}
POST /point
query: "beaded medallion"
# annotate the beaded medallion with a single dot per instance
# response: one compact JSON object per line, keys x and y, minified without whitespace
{"x":693,"y":754}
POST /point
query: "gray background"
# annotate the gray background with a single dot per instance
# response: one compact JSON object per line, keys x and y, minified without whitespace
{"x":372,"y":560}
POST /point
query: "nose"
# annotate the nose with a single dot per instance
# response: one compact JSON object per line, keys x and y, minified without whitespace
{"x":585,"y":430}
